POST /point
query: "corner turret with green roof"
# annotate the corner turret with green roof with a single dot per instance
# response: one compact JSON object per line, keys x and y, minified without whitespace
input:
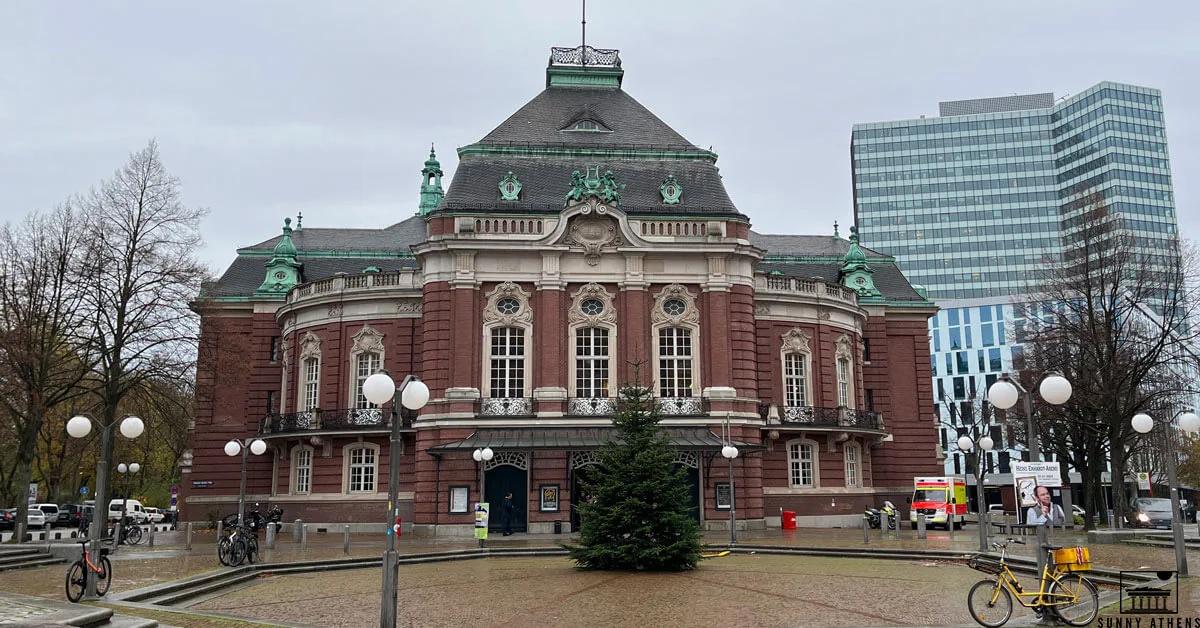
{"x":856,"y":273}
{"x":283,"y":271}
{"x":431,"y":184}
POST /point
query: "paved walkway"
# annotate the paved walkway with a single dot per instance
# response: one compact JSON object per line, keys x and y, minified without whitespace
{"x":734,"y":590}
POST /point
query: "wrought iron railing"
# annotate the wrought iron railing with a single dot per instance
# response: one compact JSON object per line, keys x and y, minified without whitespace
{"x":328,"y":420}
{"x":682,"y":406}
{"x":581,"y":56}
{"x":840,"y":416}
{"x":505,"y":406}
{"x":591,"y":406}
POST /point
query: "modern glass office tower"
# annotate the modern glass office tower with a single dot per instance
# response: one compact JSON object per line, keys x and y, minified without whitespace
{"x":973,"y":201}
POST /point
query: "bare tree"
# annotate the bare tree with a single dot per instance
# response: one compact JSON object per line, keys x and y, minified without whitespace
{"x":1112,"y":316}
{"x":140,"y":274}
{"x":41,"y":348}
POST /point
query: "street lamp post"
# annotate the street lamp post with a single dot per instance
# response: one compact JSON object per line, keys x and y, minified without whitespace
{"x":1188,"y":422}
{"x":123,"y":468}
{"x":482,"y":456}
{"x":1054,"y":389}
{"x":730,"y":452}
{"x":412,"y":394}
{"x":256,"y":446}
{"x":985,"y":445}
{"x":79,"y":427}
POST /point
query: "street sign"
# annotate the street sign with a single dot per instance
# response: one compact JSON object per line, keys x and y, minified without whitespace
{"x":83,"y":490}
{"x":174,"y":500}
{"x":32,"y":493}
{"x":174,"y":490}
{"x":1143,"y":481}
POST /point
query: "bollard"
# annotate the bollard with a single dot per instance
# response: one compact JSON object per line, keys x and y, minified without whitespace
{"x":270,"y":536}
{"x":866,"y":532}
{"x":296,"y":525}
{"x":346,"y":541}
{"x":921,"y":530}
{"x":189,"y":537}
{"x":117,"y":534}
{"x":150,"y":541}
{"x":950,"y":527}
{"x":304,"y":536}
{"x":1043,"y":539}
{"x":220,"y":530}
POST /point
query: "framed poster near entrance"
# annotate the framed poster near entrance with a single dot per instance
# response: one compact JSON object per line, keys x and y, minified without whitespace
{"x":723,"y":496}
{"x":458,"y":499}
{"x":549,"y":494}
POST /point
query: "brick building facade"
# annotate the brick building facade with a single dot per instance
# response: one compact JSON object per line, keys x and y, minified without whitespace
{"x":581,"y":244}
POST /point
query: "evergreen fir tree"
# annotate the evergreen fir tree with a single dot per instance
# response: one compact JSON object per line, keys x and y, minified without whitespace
{"x":639,"y":516}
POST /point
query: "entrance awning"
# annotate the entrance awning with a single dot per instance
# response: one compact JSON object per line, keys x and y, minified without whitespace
{"x":579,"y":438}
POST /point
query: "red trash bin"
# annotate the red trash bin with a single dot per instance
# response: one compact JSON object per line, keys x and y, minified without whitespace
{"x":789,"y":520}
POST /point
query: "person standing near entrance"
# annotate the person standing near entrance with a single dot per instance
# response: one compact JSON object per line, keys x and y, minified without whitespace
{"x":506,"y":513}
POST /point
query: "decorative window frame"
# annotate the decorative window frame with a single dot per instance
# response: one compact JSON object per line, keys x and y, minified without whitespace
{"x":346,"y":467}
{"x":689,"y":319}
{"x":847,"y":447}
{"x":844,"y":350}
{"x":816,"y":460}
{"x":493,"y":318}
{"x":578,"y":319}
{"x":293,"y":467}
{"x":310,"y":348}
{"x":367,"y":340}
{"x":796,"y":342}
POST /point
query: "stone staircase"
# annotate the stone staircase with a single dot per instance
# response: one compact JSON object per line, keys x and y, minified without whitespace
{"x":24,"y":610}
{"x":22,"y":556}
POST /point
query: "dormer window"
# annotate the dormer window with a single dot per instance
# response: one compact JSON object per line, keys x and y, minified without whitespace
{"x":588,"y":125}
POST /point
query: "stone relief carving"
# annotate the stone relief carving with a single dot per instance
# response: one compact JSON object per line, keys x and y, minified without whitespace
{"x":762,"y":310}
{"x":368,"y":340}
{"x":335,"y":310}
{"x":796,"y":340}
{"x":579,"y":314}
{"x":845,"y":347}
{"x":593,"y":230}
{"x":522,"y":315}
{"x":310,"y":346}
{"x":823,"y":316}
{"x":408,"y":307}
{"x":690,"y":315}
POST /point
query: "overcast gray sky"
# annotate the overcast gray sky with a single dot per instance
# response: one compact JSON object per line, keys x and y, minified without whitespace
{"x":264,"y":109}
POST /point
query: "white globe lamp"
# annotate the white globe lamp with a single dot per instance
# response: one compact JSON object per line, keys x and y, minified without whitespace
{"x":79,"y":426}
{"x":1142,"y":423}
{"x":258,"y":447}
{"x":1055,"y":390}
{"x":415,"y":395}
{"x":135,"y":467}
{"x":986,"y":443}
{"x":477,"y":455}
{"x":729,"y":451}
{"x":1189,"y":422}
{"x":1003,"y":395}
{"x":233,"y":448}
{"x":379,"y":388}
{"x":132,"y":427}
{"x":964,"y":443}
{"x":122,"y":468}
{"x":487,"y":454}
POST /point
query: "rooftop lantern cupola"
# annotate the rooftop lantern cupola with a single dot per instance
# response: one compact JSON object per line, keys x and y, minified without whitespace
{"x":856,"y":274}
{"x":283,"y":271}
{"x":431,"y":184}
{"x":584,"y":66}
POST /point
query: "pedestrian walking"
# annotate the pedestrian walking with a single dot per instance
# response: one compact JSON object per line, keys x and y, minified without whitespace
{"x":506,"y":515}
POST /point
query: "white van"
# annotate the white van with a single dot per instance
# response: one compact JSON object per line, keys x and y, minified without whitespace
{"x":133,"y":509}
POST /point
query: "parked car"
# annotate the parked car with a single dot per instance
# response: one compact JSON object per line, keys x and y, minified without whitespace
{"x":70,"y":515}
{"x":37,"y":518}
{"x":49,"y":512}
{"x":8,"y":518}
{"x":133,"y":509}
{"x":1151,"y":512}
{"x":155,"y":514}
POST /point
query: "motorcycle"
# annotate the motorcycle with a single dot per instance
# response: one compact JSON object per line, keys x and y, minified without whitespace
{"x":872,"y":517}
{"x":892,"y":513}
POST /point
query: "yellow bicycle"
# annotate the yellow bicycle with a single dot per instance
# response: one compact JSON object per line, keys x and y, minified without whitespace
{"x":1061,"y":593}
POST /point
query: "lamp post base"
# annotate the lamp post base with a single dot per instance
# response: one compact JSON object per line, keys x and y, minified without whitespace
{"x":391,"y":580}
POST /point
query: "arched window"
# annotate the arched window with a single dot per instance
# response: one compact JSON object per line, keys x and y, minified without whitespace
{"x":804,"y":470}
{"x":310,"y":373}
{"x":302,"y":464}
{"x":366,"y":358}
{"x":592,"y":325}
{"x":676,"y":322}
{"x":845,"y":372}
{"x":796,"y":360}
{"x":507,"y":336}
{"x":852,"y":453}
{"x":360,"y":465}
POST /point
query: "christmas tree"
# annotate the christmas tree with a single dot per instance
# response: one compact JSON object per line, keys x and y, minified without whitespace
{"x":639,"y":515}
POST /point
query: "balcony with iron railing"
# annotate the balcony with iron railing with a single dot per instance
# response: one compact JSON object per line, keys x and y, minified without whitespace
{"x":588,"y":406}
{"x":504,"y":406}
{"x":340,"y":420}
{"x":840,"y":418}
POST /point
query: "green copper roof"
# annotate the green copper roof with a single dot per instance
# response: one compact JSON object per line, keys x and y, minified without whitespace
{"x":431,"y":184}
{"x":283,"y":271}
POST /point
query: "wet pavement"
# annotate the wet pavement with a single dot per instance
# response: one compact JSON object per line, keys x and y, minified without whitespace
{"x":735,"y":590}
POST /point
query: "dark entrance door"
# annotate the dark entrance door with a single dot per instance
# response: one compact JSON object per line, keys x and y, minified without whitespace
{"x":578,"y":494}
{"x":501,"y":481}
{"x":692,"y":477}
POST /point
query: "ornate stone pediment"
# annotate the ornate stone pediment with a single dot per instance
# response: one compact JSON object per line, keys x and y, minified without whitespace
{"x":593,"y":230}
{"x":674,"y":305}
{"x":796,"y":340}
{"x":368,"y":340}
{"x":592,"y":305}
{"x":508,"y":305}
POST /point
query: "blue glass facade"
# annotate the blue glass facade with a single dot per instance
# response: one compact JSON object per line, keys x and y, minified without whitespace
{"x":972,"y":205}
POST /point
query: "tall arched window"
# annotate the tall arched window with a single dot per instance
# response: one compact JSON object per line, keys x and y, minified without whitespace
{"x":796,"y":359}
{"x":310,"y":373}
{"x":507,"y":337}
{"x":676,"y":323}
{"x":845,"y":372}
{"x":366,"y":358}
{"x":592,"y":328}
{"x":852,"y":453}
{"x":804,"y":470}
